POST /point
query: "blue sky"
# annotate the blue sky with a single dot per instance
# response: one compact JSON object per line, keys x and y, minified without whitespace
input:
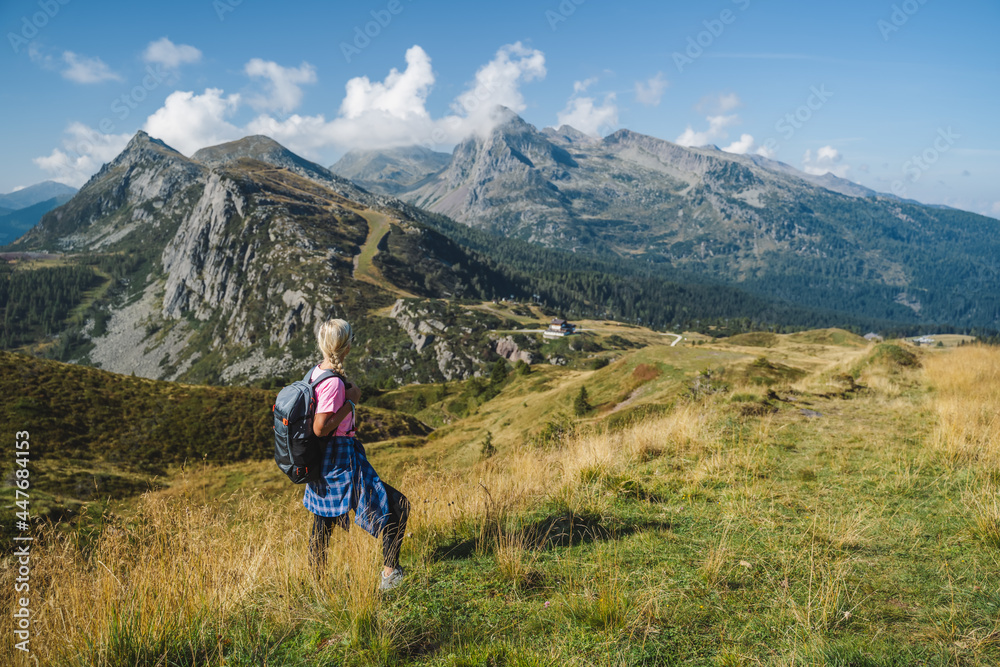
{"x":898,"y":96}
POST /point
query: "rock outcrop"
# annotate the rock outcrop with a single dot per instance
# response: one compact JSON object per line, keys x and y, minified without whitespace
{"x":508,"y":349}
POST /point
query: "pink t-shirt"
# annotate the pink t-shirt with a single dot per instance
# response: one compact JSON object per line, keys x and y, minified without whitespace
{"x":330,"y":397}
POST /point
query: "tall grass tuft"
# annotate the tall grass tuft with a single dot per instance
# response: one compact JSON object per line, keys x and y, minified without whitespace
{"x":984,"y":506}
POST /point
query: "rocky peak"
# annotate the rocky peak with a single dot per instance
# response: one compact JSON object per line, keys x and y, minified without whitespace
{"x":256,"y":147}
{"x":513,"y":146}
{"x":697,"y":161}
{"x":141,"y":149}
{"x":569,"y":135}
{"x":267,"y":150}
{"x":390,"y":170}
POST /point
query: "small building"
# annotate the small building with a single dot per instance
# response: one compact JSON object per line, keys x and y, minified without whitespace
{"x":873,"y":338}
{"x":559,"y":328}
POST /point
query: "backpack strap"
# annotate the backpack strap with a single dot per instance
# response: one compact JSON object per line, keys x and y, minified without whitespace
{"x":326,"y":375}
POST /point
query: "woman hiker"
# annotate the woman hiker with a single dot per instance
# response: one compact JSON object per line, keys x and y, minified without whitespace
{"x":347,"y":480}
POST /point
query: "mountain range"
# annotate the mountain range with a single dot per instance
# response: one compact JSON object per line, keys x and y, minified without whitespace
{"x":33,"y":194}
{"x":745,"y":220}
{"x":217,"y":267}
{"x":22,"y":209}
{"x":231,"y":256}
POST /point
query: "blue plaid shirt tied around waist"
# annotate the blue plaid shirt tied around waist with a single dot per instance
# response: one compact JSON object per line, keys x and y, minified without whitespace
{"x":348,"y":482}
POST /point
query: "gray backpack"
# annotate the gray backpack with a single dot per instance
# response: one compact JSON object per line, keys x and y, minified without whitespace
{"x":297,"y":450}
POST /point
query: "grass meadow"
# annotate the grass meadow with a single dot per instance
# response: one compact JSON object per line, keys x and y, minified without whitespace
{"x":844,"y":515}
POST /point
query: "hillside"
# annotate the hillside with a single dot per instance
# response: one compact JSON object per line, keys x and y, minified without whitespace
{"x":813,"y":502}
{"x":15,"y":223}
{"x":97,"y":435}
{"x":754,"y":223}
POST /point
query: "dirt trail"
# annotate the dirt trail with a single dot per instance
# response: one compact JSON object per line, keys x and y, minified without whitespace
{"x":364,"y":265}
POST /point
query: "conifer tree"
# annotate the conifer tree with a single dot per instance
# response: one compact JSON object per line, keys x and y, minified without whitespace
{"x":581,"y":405}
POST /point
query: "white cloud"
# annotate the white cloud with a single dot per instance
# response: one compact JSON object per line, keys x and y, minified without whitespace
{"x":373,"y":114}
{"x":498,"y":82}
{"x":188,"y":122}
{"x":170,"y":55}
{"x":283,"y":91}
{"x":583,"y":114}
{"x":86,"y":70}
{"x":84,"y":151}
{"x":401,"y":95}
{"x":742,"y":146}
{"x":40,"y":58}
{"x":72,"y":66}
{"x":17,"y":187}
{"x":393,"y":112}
{"x":766,"y":151}
{"x":650,"y":92}
{"x":582,"y":86}
{"x":827,"y":159}
{"x":716,"y":130}
{"x":719,"y":104}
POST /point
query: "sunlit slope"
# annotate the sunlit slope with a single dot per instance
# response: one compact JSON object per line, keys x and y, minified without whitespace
{"x":646,"y":380}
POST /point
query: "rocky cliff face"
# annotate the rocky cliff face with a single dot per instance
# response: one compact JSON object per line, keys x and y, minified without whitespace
{"x":242,"y":253}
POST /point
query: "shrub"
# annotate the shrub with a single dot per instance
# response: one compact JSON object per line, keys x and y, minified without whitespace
{"x":488,"y":448}
{"x":581,"y":404}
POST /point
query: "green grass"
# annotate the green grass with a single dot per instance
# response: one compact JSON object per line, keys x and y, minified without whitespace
{"x":905,"y":583}
{"x":378,"y":227}
{"x":888,"y":356}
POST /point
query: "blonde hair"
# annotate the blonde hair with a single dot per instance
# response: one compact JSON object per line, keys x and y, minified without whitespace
{"x":334,"y":338}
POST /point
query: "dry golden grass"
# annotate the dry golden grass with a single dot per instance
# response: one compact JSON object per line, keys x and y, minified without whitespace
{"x":967,"y":401}
{"x":175,"y":568}
{"x":181,"y":560}
{"x":717,"y":558}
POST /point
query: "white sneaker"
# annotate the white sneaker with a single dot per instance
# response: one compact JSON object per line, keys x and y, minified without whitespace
{"x":393,"y":579}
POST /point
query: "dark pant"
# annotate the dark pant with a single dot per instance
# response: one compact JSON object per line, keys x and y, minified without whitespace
{"x":392,"y":534}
